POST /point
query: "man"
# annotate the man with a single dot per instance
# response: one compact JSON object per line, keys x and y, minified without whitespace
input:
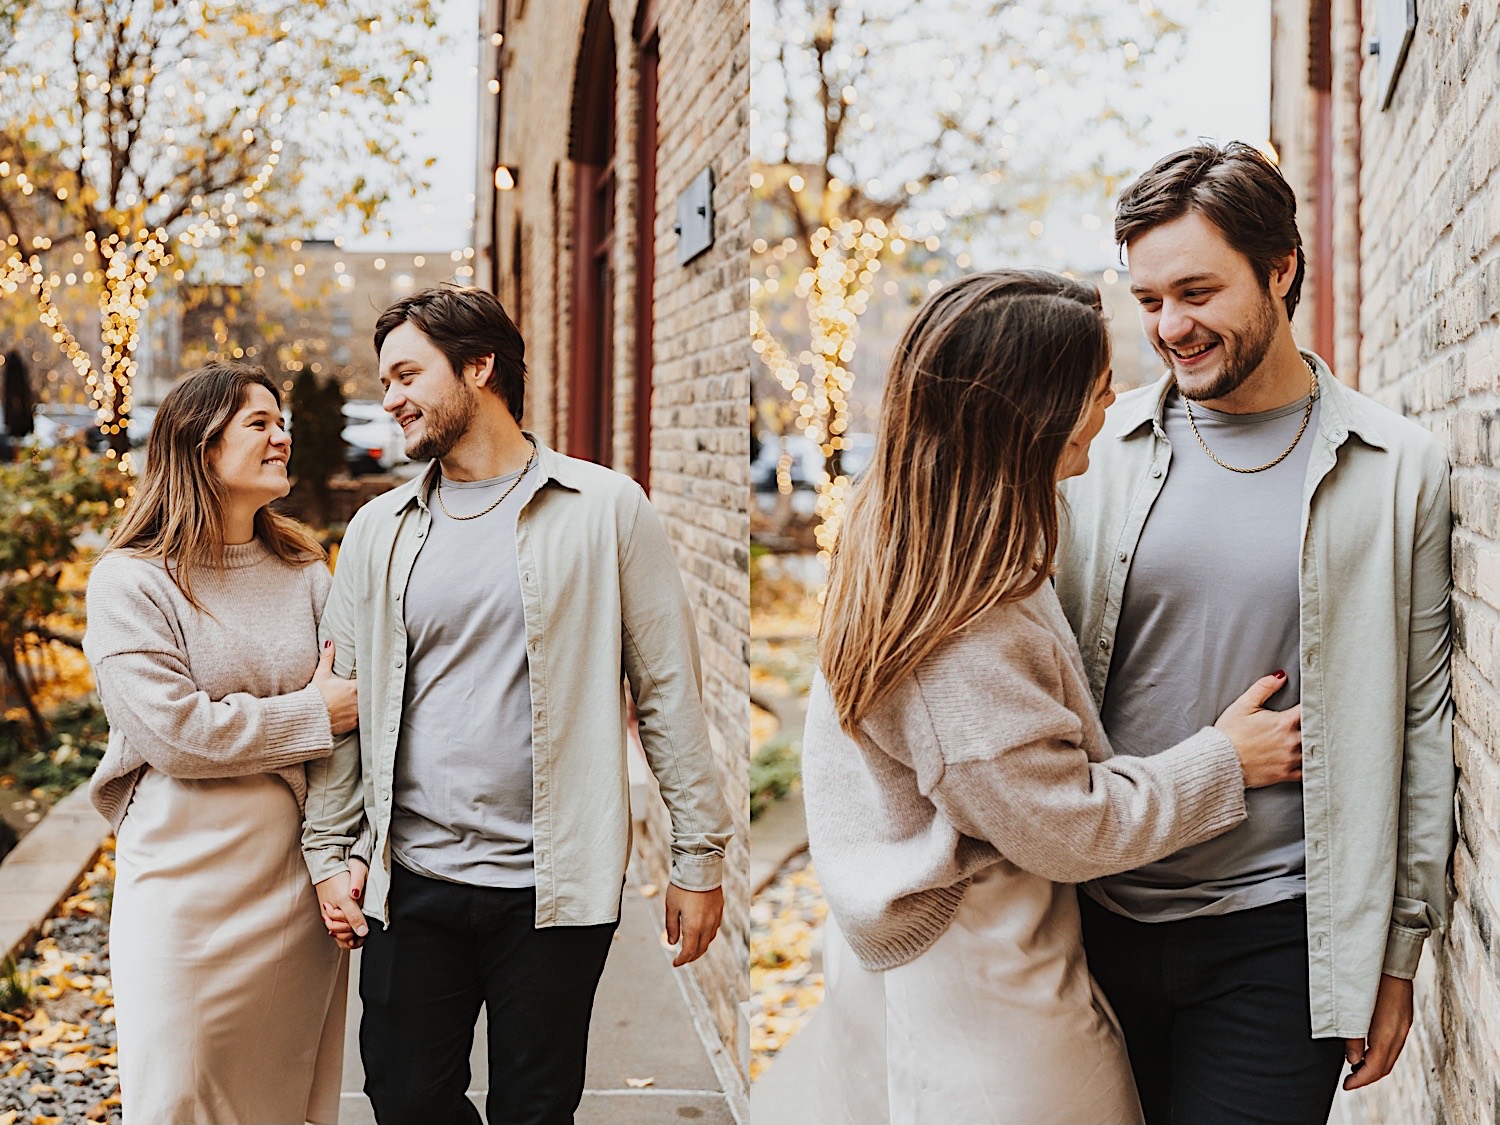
{"x":494,"y":606}
{"x":1249,"y":514}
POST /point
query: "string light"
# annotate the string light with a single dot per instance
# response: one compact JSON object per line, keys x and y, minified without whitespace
{"x":836,"y":286}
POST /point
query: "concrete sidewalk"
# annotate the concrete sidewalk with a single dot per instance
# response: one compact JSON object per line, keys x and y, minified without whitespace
{"x":642,"y":1028}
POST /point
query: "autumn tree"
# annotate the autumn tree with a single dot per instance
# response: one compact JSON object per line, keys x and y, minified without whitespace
{"x":879,"y":127}
{"x":139,"y":135}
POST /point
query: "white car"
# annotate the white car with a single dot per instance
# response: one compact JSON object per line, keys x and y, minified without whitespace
{"x":375,"y":442}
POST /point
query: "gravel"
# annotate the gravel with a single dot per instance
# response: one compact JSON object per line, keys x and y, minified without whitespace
{"x":786,"y":960}
{"x":57,"y":1053}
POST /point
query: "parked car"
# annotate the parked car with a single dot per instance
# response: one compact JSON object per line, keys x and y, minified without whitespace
{"x":807,"y":460}
{"x":373,"y":441}
{"x":55,"y":422}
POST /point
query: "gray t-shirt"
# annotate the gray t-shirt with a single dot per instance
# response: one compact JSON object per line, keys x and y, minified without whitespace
{"x":1210,"y":606}
{"x":462,"y":797}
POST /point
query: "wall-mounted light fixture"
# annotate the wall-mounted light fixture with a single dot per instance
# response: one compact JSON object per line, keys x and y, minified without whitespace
{"x":505,"y":178}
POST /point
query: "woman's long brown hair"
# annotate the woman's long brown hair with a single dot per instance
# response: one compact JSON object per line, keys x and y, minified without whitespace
{"x":177,"y":514}
{"x":958,"y":510}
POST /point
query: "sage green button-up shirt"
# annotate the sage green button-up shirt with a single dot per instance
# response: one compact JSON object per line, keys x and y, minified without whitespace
{"x":603,"y":603}
{"x":1377,"y":710}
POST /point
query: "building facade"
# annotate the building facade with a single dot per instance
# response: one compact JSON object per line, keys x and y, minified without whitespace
{"x":1388,"y":126}
{"x":613,"y":223}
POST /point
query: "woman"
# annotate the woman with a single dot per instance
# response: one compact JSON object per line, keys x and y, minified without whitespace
{"x":202,"y":633}
{"x":957,"y":779}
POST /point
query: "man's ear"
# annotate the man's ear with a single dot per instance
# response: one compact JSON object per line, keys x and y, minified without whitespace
{"x":1284,"y":274}
{"x":480,"y":370}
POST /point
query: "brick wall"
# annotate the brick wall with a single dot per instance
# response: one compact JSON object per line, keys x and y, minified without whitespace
{"x":1418,"y":287}
{"x":699,"y":456}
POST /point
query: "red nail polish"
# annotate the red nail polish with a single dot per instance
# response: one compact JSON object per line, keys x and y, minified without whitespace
{"x":1280,"y":675}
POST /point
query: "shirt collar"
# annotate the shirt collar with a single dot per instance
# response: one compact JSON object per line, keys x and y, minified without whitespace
{"x":554,"y":467}
{"x":1344,"y":410}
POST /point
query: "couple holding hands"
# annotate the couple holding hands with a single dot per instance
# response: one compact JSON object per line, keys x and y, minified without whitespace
{"x":1188,"y":649}
{"x":460,"y":809}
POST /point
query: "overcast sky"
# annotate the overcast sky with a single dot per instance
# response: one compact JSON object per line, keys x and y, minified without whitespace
{"x":446,"y":127}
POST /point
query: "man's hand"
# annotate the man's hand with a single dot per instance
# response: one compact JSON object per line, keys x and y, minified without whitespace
{"x":1374,"y":1057}
{"x":692,"y":918}
{"x":339,"y":897}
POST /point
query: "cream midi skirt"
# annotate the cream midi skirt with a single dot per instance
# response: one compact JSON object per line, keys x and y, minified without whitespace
{"x":229,"y":993}
{"x":998,"y":1023}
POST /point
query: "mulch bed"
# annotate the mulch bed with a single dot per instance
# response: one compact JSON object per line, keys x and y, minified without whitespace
{"x":57,"y":1051}
{"x":786,"y":964}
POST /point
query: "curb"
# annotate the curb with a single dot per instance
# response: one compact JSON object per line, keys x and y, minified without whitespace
{"x":42,"y":869}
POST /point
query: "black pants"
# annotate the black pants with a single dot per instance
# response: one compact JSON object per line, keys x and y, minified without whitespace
{"x":448,"y":949}
{"x":1215,"y":1014}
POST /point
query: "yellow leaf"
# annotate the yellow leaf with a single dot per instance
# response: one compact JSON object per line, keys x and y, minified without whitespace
{"x":639,"y":1083}
{"x":8,"y":1118}
{"x":68,"y":1064}
{"x":47,"y":1038}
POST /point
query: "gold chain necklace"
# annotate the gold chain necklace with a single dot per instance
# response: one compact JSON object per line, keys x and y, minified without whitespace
{"x":1312,"y":398}
{"x":493,"y":506}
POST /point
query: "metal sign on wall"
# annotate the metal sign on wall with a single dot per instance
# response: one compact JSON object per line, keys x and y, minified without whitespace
{"x":695,"y":217}
{"x":1395,"y":27}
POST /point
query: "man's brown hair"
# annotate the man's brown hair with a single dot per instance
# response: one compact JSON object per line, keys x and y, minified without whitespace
{"x":465,"y":324}
{"x":1237,"y":188}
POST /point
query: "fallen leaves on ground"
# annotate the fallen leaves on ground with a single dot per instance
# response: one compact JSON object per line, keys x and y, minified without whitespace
{"x":57,"y":1058}
{"x":786,"y":965}
{"x":640,"y":1083}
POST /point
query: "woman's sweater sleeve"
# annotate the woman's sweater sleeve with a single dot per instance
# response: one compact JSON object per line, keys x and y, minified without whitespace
{"x":149,"y":695}
{"x":1000,"y":753}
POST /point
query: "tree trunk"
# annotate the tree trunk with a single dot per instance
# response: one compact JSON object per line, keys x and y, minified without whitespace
{"x":12,"y":671}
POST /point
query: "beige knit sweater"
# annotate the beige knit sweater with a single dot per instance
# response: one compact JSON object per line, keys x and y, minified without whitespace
{"x":991,"y":752}
{"x":193,"y":694}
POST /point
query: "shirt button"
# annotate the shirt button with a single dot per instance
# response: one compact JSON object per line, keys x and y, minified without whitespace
{"x":391,"y":728}
{"x":1103,"y":643}
{"x":1124,"y":556}
{"x":1156,"y":472}
{"x":400,"y":664}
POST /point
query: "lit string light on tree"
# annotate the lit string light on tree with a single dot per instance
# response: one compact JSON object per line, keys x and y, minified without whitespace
{"x":836,"y":286}
{"x":131,"y":259}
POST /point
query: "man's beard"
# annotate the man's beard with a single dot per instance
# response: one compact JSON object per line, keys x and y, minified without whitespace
{"x":445,"y":424}
{"x":1243,"y":354}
